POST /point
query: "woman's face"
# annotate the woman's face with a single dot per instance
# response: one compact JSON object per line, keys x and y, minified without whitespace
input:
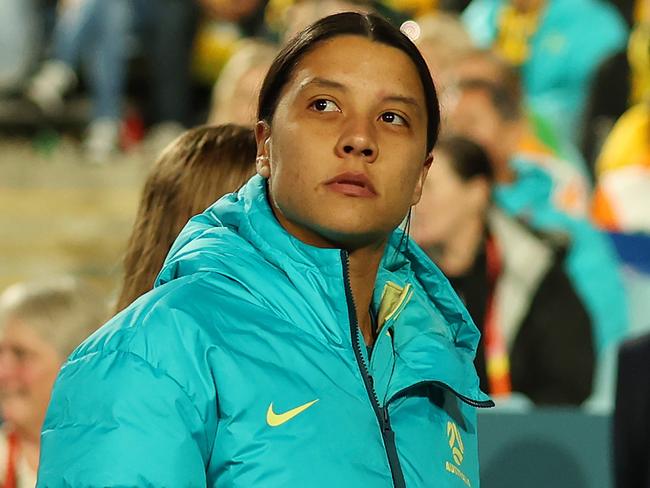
{"x":28,"y":368}
{"x":446,"y":205}
{"x":347,"y":143}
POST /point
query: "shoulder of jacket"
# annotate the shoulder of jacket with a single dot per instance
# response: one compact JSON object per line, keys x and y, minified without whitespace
{"x":155,"y":327}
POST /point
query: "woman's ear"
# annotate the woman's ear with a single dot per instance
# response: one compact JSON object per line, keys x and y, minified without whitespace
{"x":263,"y":158}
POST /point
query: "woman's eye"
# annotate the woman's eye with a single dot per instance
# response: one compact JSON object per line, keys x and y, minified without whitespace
{"x":393,"y":118}
{"x":324,"y":105}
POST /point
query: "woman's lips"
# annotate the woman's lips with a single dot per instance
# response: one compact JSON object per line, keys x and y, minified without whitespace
{"x":352,"y":184}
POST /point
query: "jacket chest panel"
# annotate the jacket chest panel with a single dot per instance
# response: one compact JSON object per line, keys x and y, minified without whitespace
{"x":289,"y":415}
{"x":436,"y":439}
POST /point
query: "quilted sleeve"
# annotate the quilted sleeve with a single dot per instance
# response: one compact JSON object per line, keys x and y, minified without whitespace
{"x":116,"y":420}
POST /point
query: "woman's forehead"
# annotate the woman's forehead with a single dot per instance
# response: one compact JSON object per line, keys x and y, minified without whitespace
{"x":357,"y":62}
{"x":353,"y":51}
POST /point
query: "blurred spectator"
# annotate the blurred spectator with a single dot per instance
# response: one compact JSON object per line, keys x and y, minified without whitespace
{"x":288,"y":17}
{"x":19,"y":42}
{"x":632,"y":415}
{"x":442,"y":39}
{"x":622,"y":198}
{"x":627,"y":9}
{"x":490,"y":108}
{"x":536,"y":333}
{"x":622,"y":80}
{"x":197,"y":169}
{"x":167,"y":30}
{"x":247,"y":13}
{"x":539,"y":137}
{"x":621,"y":207}
{"x":99,"y":34}
{"x":96,"y":30}
{"x":557,"y":43}
{"x":40,"y":324}
{"x":234,"y":97}
{"x":223,"y":26}
{"x":530,"y":188}
{"x":416,"y":8}
{"x":412,"y":8}
{"x":454,"y":5}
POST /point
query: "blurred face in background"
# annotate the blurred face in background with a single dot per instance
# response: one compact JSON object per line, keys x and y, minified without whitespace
{"x":235,"y":94}
{"x":28,"y":367}
{"x":476,"y":67}
{"x":242,"y":107}
{"x":442,"y":40}
{"x":447,"y":204}
{"x":472,"y":114}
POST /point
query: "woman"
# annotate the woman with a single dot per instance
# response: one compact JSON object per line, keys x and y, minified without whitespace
{"x":246,"y":365}
{"x":198,"y":168}
{"x":537,"y":334}
{"x":40,"y":324}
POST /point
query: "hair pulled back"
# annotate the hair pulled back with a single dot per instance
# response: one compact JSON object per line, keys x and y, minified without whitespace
{"x":367,"y":25}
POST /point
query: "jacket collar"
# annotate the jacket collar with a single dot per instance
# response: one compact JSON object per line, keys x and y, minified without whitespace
{"x":441,"y":349}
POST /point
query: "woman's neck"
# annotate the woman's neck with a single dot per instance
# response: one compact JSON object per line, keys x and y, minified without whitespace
{"x":363,"y":266}
{"x":459,"y":252}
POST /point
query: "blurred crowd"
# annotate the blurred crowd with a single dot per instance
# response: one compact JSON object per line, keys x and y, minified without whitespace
{"x":537,"y":205}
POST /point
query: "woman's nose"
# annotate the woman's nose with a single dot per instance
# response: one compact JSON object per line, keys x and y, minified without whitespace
{"x":358,"y":140}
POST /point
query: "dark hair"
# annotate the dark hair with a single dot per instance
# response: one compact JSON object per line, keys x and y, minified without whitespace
{"x":370,"y":26}
{"x":195,"y":170}
{"x":468,"y":159}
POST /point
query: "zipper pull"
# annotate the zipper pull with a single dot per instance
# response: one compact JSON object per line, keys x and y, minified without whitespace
{"x":386,"y":419}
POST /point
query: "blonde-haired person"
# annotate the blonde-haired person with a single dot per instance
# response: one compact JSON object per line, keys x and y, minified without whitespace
{"x":41,"y":322}
{"x":442,"y":38}
{"x":234,"y":96}
{"x":195,"y":170}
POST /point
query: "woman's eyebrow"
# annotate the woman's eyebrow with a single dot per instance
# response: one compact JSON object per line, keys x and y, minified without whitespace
{"x":406,"y":100}
{"x":402,"y":99}
{"x":322,"y":82}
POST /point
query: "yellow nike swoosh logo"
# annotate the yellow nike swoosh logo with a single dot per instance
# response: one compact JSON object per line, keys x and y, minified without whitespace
{"x":274,"y":419}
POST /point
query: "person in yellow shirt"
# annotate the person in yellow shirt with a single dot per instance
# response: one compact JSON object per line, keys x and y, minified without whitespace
{"x":622,"y":195}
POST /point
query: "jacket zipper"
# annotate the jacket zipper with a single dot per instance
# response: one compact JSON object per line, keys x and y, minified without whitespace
{"x":463,"y":398}
{"x":383,"y":418}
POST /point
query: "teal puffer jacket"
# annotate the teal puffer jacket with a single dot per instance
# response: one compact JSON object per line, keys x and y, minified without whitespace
{"x":244,"y":368}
